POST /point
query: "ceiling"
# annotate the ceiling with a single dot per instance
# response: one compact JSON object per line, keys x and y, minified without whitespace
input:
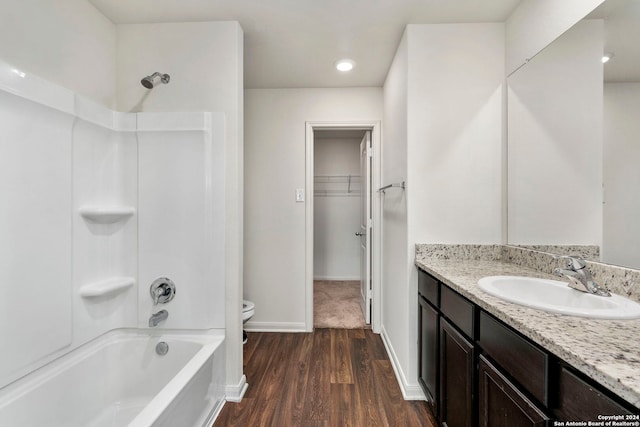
{"x":294,"y":43}
{"x":621,"y":33}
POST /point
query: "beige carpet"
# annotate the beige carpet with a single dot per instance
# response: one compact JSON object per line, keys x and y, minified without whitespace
{"x":336,"y":304}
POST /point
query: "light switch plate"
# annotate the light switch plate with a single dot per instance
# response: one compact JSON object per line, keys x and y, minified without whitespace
{"x":299,"y":195}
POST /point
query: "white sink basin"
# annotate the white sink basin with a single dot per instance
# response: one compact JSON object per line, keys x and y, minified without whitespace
{"x":557,"y":297}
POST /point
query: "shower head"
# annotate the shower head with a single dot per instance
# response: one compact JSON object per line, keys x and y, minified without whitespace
{"x":148,"y":81}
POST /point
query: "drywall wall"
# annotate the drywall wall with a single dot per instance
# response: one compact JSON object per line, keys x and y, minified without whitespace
{"x":395,"y":253}
{"x":536,"y":23}
{"x":455,"y":133}
{"x":69,"y":43}
{"x":274,"y":226}
{"x":200,"y":57}
{"x":337,"y":202}
{"x":443,"y":132}
{"x":555,"y":142}
{"x":621,"y":156}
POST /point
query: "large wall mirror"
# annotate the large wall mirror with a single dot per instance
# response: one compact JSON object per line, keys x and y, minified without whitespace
{"x":574,"y":139}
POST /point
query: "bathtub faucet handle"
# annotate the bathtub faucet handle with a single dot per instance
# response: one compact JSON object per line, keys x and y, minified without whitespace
{"x":162,"y":290}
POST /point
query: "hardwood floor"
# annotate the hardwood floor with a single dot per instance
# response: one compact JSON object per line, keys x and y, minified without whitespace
{"x":331,"y":377}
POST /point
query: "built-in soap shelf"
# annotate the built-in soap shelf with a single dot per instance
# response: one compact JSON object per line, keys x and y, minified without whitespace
{"x":106,"y":214}
{"x":107,"y":287}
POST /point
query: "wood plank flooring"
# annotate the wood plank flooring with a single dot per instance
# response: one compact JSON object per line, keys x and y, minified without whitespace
{"x":331,"y":377}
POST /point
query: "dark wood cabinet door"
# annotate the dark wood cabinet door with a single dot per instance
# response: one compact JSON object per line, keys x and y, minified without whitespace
{"x":580,"y":401}
{"x":501,"y":404}
{"x":428,"y":352}
{"x":456,"y":377}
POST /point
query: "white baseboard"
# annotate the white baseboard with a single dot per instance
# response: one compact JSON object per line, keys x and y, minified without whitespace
{"x":409,"y":391}
{"x":211,"y":418}
{"x":235,"y":392}
{"x":338,"y":278}
{"x":274,"y":327}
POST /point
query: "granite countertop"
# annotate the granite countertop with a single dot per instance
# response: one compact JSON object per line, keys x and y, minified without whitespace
{"x":607,"y":351}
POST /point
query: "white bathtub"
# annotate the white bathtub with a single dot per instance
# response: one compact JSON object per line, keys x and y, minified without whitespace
{"x":119,"y":380}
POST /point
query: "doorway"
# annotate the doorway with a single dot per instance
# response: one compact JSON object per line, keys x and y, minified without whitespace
{"x":342,"y":211}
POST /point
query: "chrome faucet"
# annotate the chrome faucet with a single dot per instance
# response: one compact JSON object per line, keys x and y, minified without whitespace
{"x":579,"y":276}
{"x":157,"y":318}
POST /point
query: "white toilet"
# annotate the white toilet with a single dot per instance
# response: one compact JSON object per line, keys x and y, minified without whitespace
{"x":248,"y":310}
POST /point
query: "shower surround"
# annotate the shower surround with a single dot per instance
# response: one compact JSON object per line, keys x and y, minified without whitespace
{"x":95,"y":205}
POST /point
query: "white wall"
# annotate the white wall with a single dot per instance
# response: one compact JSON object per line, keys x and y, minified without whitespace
{"x":536,"y":23}
{"x":555,"y":142}
{"x":336,"y":216}
{"x":452,"y":161}
{"x":205,"y":61}
{"x":455,"y":133}
{"x":395,"y":253}
{"x":69,"y":43}
{"x":274,"y":226}
{"x":201,"y":58}
{"x":621,"y":155}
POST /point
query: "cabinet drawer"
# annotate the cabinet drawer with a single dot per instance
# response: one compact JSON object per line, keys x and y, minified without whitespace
{"x":582,"y":402}
{"x":429,"y":288}
{"x":526,"y":363}
{"x":458,"y":309}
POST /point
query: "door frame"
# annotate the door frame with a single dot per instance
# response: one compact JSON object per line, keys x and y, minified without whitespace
{"x":376,"y":266}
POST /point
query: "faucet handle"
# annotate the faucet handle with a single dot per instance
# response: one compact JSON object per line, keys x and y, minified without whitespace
{"x":162,"y":290}
{"x":573,"y":262}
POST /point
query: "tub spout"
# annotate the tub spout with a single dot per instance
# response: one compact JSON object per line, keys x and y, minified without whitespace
{"x":157,"y":318}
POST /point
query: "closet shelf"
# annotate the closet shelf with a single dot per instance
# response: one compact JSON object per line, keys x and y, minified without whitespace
{"x":106,"y":287}
{"x":336,"y":193}
{"x":106,"y":214}
{"x":336,"y":186}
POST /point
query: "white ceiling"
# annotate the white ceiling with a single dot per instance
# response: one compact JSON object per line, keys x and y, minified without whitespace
{"x":294,"y":43}
{"x":622,"y":34}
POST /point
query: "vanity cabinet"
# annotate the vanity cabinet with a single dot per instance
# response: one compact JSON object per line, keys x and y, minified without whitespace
{"x":579,"y":400}
{"x":428,"y":338}
{"x":457,"y":366}
{"x":501,"y":403}
{"x":525,"y":362}
{"x":447,"y":352}
{"x":508,"y":394}
{"x":428,"y":347}
{"x":476,"y":370}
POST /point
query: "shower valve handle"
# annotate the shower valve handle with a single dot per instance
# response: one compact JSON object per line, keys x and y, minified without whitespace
{"x":162,"y":290}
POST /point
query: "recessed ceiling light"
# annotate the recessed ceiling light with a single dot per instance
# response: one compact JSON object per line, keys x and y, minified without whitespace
{"x":345,"y":64}
{"x":606,"y":57}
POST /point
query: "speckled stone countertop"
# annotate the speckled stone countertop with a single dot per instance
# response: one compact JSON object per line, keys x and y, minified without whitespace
{"x":607,"y":351}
